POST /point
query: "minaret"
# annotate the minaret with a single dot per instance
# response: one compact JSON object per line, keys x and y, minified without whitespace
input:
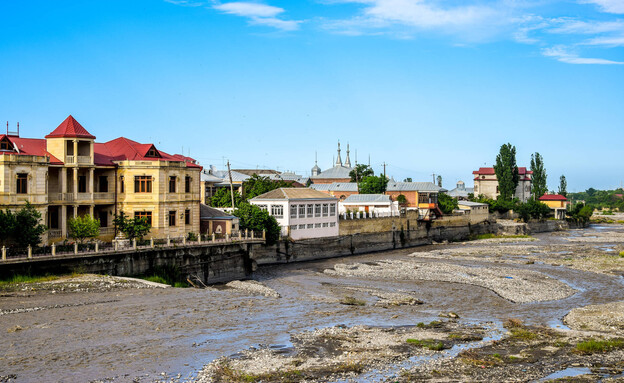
{"x":315,"y":170}
{"x":348,"y":161}
{"x":338,"y":159}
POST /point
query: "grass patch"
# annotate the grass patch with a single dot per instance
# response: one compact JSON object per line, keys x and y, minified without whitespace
{"x":167,"y":275}
{"x":490,"y":236}
{"x":594,"y":346}
{"x":432,"y":324}
{"x":351,"y":301}
{"x":622,"y":254}
{"x":473,"y":358}
{"x":465,"y":337}
{"x":431,"y":344}
{"x":28,"y":278}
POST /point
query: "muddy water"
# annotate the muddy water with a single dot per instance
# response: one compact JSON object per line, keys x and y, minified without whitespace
{"x":139,"y":334}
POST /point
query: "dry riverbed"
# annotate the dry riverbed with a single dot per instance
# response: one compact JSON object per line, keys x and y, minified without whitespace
{"x":339,"y":320}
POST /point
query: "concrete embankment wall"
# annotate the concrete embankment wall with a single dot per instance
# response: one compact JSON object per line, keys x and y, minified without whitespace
{"x":210,"y":263}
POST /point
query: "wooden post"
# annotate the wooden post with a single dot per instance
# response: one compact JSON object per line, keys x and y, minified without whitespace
{"x":53,"y":249}
{"x":29,"y":251}
{"x":75,"y":247}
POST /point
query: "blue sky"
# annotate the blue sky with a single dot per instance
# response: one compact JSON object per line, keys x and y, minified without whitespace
{"x":427,"y":86}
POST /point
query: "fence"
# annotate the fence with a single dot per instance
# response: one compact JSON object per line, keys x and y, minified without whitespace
{"x":65,"y":249}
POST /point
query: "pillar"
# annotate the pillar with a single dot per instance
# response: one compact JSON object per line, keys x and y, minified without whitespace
{"x":97,"y":247}
{"x":152,"y":242}
{"x":29,"y":251}
{"x":63,"y":221}
{"x":75,"y":191}
{"x":75,"y":247}
{"x":91,"y":182}
{"x":134,"y":243}
{"x":213,"y":238}
{"x":91,"y":208}
{"x":76,"y":151}
{"x":75,"y":214}
{"x":53,"y":249}
{"x":4,"y":253}
{"x":184,"y":240}
{"x":168,"y":241}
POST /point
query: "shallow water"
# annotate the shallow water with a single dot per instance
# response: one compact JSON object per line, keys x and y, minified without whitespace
{"x":132,"y":334}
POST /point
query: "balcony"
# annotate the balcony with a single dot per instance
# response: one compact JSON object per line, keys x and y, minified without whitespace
{"x":109,"y":197}
{"x":55,"y":233}
{"x":71,"y":159}
{"x":84,"y":159}
{"x":12,"y":199}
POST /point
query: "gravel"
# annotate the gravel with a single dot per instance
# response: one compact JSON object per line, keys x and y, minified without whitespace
{"x":515,"y":285}
{"x":605,"y":318}
{"x":253,"y":287}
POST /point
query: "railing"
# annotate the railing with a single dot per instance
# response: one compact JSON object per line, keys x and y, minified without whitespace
{"x":10,"y":199}
{"x":104,"y":195}
{"x":69,"y":159}
{"x":55,"y":233}
{"x":84,"y":159}
{"x":365,"y":215}
{"x":107,"y":230}
{"x":75,"y":249}
{"x":83,"y":197}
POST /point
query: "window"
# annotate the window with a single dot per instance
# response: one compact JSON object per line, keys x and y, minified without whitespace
{"x":144,"y":214}
{"x":187,"y":217}
{"x":423,"y":198}
{"x":332,"y":209}
{"x":187,"y":184}
{"x":325,"y":224}
{"x":172,"y":184}
{"x":476,"y":189}
{"x":325,"y":210}
{"x":152,"y":153}
{"x":310,"y":211}
{"x":277,"y":211}
{"x":103,"y":181}
{"x":497,"y":188}
{"x":332,"y":224}
{"x":122,"y":189}
{"x":82,"y":184}
{"x":317,"y":225}
{"x":172,"y":217}
{"x":302,"y":209}
{"x":433,"y":197}
{"x":317,"y":210}
{"x":301,"y":227}
{"x":310,"y":226}
{"x":293,"y":211}
{"x":293,"y":227}
{"x":262,"y":207}
{"x":143,"y":184}
{"x":22,"y":183}
{"x":5,"y":145}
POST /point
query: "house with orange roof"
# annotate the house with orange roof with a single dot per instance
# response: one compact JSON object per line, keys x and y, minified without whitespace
{"x":555,"y":202}
{"x":68,"y":174}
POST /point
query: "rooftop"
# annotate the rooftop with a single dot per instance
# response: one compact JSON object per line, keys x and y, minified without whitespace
{"x":367,"y":199}
{"x":292,"y":193}
{"x":552,"y":197}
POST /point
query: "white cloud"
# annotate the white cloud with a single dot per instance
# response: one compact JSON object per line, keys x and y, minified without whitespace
{"x":258,"y":14}
{"x":613,"y":41}
{"x":610,"y":6}
{"x":186,"y":3}
{"x":574,"y":26}
{"x":561,"y":53}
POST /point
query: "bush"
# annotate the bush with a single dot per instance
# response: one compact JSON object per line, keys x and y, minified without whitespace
{"x":532,"y":209}
{"x":253,"y":218}
{"x":447,"y":203}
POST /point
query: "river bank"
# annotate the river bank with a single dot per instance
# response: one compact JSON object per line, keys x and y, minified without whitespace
{"x":130,"y":334}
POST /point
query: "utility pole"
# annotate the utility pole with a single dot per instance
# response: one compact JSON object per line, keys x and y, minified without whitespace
{"x":231,"y":186}
{"x":433,"y":175}
{"x":385,"y":179}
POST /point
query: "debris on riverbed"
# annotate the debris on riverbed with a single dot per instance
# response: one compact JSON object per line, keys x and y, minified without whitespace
{"x":78,"y":283}
{"x":338,"y":352}
{"x":253,"y":287}
{"x":608,"y":318}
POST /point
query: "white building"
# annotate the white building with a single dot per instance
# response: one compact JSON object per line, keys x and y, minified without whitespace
{"x":486,"y":183}
{"x":377,"y":204}
{"x":301,"y":212}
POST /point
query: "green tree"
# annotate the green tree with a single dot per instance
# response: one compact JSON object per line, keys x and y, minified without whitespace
{"x":7,"y":226}
{"x":256,"y":185}
{"x":408,"y":179}
{"x":401,"y":199}
{"x":360,"y":172}
{"x":223,"y":198}
{"x":447,"y":203}
{"x":132,"y":227}
{"x":373,"y":185}
{"x":532,"y":209}
{"x":253,"y":218}
{"x":506,"y":172}
{"x":440,"y":181}
{"x":563,"y":186}
{"x":84,"y":227}
{"x":27,"y":229}
{"x":539,"y":176}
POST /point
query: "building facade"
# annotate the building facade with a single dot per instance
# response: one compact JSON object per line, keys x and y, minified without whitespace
{"x":485,"y":183}
{"x":301,"y":212}
{"x":68,"y":174}
{"x":557,"y":203}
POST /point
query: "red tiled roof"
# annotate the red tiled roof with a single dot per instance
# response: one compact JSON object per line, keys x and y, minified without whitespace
{"x":30,"y":147}
{"x":70,"y":128}
{"x":552,"y":197}
{"x":123,"y":148}
{"x":490,"y":171}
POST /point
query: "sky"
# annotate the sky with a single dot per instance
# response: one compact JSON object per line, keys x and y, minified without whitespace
{"x":425,"y":86}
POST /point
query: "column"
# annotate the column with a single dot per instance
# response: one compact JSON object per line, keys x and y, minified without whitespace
{"x":91,"y":182}
{"x":75,"y":191}
{"x":63,"y":181}
{"x":91,"y":211}
{"x":75,"y":151}
{"x":92,"y":156}
{"x":64,"y":221}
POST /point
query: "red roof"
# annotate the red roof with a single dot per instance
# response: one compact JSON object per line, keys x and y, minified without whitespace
{"x":490,"y":171}
{"x":552,"y":197}
{"x":30,"y":147}
{"x":70,"y":128}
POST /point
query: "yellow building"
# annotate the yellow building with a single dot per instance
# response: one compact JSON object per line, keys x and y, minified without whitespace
{"x":69,"y":174}
{"x":555,"y":202}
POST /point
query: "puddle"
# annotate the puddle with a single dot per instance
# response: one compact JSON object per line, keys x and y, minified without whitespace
{"x":567,"y":373}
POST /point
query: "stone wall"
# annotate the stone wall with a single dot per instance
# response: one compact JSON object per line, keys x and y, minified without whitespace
{"x":210,"y":263}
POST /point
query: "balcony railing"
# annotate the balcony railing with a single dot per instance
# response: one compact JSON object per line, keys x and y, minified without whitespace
{"x":9,"y":199}
{"x":83,"y":197}
{"x":84,"y":159}
{"x":69,"y":159}
{"x":107,"y":230}
{"x":55,"y":233}
{"x":103,"y":196}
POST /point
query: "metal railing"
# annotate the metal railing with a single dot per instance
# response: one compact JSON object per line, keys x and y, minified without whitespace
{"x":76,"y":249}
{"x":55,"y":233}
